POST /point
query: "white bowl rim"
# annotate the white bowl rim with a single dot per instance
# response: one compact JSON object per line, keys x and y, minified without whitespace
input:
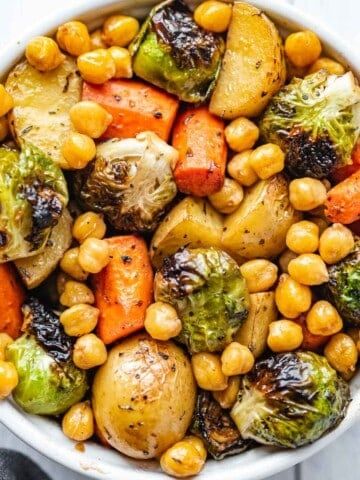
{"x":273,"y":461}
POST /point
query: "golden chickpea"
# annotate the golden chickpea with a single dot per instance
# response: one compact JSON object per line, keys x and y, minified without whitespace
{"x":90,"y":118}
{"x":74,"y":38}
{"x":284,"y":336}
{"x":89,"y":352}
{"x":162,"y":321}
{"x":70,"y":264}
{"x":284,"y":260}
{"x":325,"y":63}
{"x":241,"y":134}
{"x":307,"y":193}
{"x":260,"y":274}
{"x":226,"y":398}
{"x":303,"y":237}
{"x":4,"y":128}
{"x":239,"y":169}
{"x":213,"y":16}
{"x":8,"y":378}
{"x":303,"y":48}
{"x":96,"y":66}
{"x":120,"y":30}
{"x":323,"y":319}
{"x":78,"y":150}
{"x":76,"y":292}
{"x":308,"y":269}
{"x":228,"y":198}
{"x":236,"y":359}
{"x":122,"y":61}
{"x":208,"y":372}
{"x":291,"y":297}
{"x":43,"y":54}
{"x":182,"y":460}
{"x":5,"y":340}
{"x":78,"y":422}
{"x":94,"y":255}
{"x":89,"y":224}
{"x":198,"y":444}
{"x":336,"y":243}
{"x":341,"y":353}
{"x":6,"y":102}
{"x":267,"y":160}
{"x":79,"y":319}
{"x":320,"y":222}
{"x":97,"y":40}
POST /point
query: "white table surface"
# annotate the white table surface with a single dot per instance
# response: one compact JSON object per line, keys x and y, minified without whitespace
{"x":341,"y":460}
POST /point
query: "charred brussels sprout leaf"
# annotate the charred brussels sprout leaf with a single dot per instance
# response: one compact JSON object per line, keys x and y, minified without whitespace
{"x":215,"y":426}
{"x":174,"y":53}
{"x":290,"y":399}
{"x":209,"y":293}
{"x":33,"y":195}
{"x":317,"y":121}
{"x":130,"y":181}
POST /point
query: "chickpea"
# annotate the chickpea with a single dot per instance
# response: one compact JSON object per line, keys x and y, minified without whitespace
{"x":76,"y":292}
{"x":94,"y":255}
{"x":239,"y":169}
{"x":303,"y":237}
{"x":308,"y":269}
{"x":213,"y":16}
{"x":284,"y":336}
{"x":285,"y":259}
{"x":97,"y":40}
{"x":325,"y":63}
{"x":228,"y":198}
{"x":43,"y":54}
{"x":4,"y":128}
{"x":5,"y":340}
{"x":96,"y":66}
{"x":291,"y":297}
{"x":226,"y":398}
{"x":241,"y":134}
{"x":74,"y":38}
{"x":89,"y":352}
{"x":78,"y":150}
{"x":6,"y":102}
{"x":236,"y":359}
{"x":122,"y":59}
{"x":303,"y":48}
{"x":162,"y":321}
{"x":267,"y":160}
{"x":198,"y":444}
{"x":323,"y":319}
{"x":70,"y":264}
{"x":341,"y":353}
{"x":78,"y":422}
{"x":90,"y":118}
{"x":336,"y":243}
{"x":208,"y":372}
{"x":307,"y":193}
{"x":182,"y":460}
{"x":79,"y":319}
{"x":320,"y":222}
{"x":260,"y":274}
{"x":89,"y":224}
{"x":120,"y":30}
{"x":8,"y":378}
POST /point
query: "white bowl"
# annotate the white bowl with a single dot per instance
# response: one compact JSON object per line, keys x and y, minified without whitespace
{"x":98,"y":462}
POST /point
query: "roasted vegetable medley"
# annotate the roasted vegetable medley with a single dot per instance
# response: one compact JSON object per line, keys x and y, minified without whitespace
{"x":179,"y":211}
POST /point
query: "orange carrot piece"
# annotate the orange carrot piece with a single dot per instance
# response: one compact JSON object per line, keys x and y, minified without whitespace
{"x":135,"y":107}
{"x":343,"y":201}
{"x":344,"y":172}
{"x":12,"y":296}
{"x":199,"y":138}
{"x":123,"y":289}
{"x":310,"y":341}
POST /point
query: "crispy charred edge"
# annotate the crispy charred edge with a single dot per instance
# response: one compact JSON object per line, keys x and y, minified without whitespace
{"x":45,"y":325}
{"x":215,"y":426}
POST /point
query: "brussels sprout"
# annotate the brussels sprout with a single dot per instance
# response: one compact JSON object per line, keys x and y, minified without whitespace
{"x":174,"y":53}
{"x":317,"y":121}
{"x":344,"y":286}
{"x":130,"y":181}
{"x":33,"y":195}
{"x":215,"y":426}
{"x":290,"y":399}
{"x":209,"y":293}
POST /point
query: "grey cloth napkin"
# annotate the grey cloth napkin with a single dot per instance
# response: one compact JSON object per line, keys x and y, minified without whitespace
{"x":15,"y":466}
